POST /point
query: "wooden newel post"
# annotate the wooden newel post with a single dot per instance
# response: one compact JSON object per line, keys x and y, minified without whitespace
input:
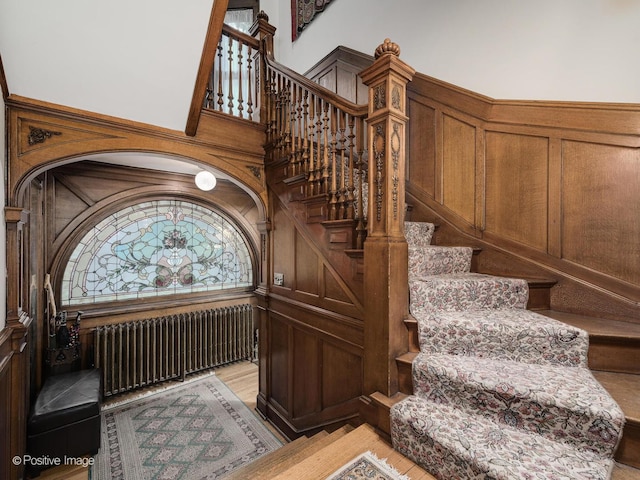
{"x":385,"y":249}
{"x":263,"y":31}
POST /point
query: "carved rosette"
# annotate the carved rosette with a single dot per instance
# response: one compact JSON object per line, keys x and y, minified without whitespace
{"x":379,"y":96}
{"x":396,"y":96}
{"x":39,"y":135}
{"x":257,"y":172}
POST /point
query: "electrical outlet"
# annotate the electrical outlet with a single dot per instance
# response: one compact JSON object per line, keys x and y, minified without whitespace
{"x":278,"y":279}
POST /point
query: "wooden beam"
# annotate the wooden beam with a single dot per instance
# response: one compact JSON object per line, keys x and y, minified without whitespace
{"x":206,"y":64}
{"x":3,"y":81}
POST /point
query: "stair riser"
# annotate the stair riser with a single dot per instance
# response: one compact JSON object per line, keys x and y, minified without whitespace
{"x":405,"y":377}
{"x":614,"y":355}
{"x":539,"y":298}
{"x":439,"y":260}
{"x":628,"y":452}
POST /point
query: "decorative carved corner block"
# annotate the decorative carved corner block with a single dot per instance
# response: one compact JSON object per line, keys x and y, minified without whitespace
{"x":39,"y":135}
{"x":257,"y":172}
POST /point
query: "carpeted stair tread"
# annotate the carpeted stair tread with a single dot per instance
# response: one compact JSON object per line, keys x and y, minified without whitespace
{"x":505,"y":334}
{"x":418,"y":234}
{"x":566,"y":404}
{"x":439,"y":260}
{"x":466,"y":291}
{"x":450,"y":443}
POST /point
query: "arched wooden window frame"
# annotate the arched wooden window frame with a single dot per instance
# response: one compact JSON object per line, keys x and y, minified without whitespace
{"x":65,"y":252}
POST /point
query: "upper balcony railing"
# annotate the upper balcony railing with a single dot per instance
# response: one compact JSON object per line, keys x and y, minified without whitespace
{"x":232,"y":87}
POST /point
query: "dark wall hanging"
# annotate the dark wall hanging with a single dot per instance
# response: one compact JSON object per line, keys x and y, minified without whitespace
{"x":302,"y":12}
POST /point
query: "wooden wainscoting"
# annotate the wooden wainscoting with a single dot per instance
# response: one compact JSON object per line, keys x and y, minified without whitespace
{"x":556,"y":185}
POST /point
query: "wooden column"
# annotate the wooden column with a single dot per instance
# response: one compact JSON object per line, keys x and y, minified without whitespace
{"x":261,"y":318}
{"x":385,"y":249}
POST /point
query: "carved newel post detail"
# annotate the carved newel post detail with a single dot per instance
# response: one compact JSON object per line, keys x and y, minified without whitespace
{"x":385,"y":249}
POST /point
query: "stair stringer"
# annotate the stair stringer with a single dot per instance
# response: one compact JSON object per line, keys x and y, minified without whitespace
{"x":347,"y":268}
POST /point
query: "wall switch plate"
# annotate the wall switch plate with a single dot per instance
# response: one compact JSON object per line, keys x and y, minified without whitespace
{"x":278,"y":279}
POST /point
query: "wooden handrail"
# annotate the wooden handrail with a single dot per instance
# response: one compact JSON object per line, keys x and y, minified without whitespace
{"x":320,"y":91}
{"x":229,"y":31}
{"x":321,"y":137}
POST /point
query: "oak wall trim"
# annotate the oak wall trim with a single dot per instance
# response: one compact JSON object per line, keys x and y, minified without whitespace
{"x":232,"y":146}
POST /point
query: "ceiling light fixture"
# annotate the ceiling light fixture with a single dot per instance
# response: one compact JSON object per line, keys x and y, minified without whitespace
{"x":205,"y":180}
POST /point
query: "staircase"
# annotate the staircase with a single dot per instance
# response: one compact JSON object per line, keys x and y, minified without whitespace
{"x":497,"y":390}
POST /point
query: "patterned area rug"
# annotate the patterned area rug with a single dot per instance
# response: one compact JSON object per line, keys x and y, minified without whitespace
{"x":194,"y":431}
{"x":367,"y":466}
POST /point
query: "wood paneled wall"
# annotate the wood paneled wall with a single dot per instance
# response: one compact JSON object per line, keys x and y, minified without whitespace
{"x":556,"y":185}
{"x":339,"y":72}
{"x":311,"y":336}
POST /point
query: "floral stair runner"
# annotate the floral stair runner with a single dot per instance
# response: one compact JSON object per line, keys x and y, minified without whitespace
{"x":499,"y":391}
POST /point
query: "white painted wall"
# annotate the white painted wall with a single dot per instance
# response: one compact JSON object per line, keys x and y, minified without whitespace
{"x":136,"y":60}
{"x":574,"y":50}
{"x":3,"y":234}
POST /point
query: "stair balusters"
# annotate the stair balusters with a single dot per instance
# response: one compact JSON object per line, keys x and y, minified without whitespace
{"x":233,"y":77}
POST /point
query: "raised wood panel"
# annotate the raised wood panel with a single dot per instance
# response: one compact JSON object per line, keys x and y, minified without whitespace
{"x":338,"y":72}
{"x":315,"y":366}
{"x":306,"y":267}
{"x":557,"y":187}
{"x":280,"y":357}
{"x":283,"y":238}
{"x":601,"y":208}
{"x":422,"y":141}
{"x":517,"y":169}
{"x":332,"y":288}
{"x":306,"y":374}
{"x":341,"y":375}
{"x":459,"y":168}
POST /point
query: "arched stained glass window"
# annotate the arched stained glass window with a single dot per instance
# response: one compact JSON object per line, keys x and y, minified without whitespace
{"x":156,"y":248}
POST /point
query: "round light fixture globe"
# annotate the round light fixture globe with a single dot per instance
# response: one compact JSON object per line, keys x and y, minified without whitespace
{"x":205,"y":180}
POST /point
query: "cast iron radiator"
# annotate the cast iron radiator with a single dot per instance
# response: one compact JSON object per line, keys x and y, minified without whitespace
{"x":144,"y":352}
